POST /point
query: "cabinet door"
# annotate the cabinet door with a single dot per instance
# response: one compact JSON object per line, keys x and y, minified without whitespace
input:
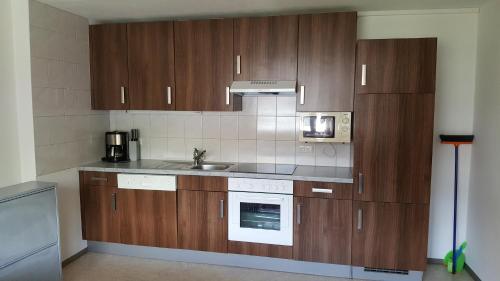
{"x":327,"y":46}
{"x":202,"y":220}
{"x":390,"y":235}
{"x":396,"y":66}
{"x":393,"y":138}
{"x":204,"y":65}
{"x":266,"y":48}
{"x":148,"y":218}
{"x":322,"y":230}
{"x":151,"y":66}
{"x":109,"y":66}
{"x":101,"y":219}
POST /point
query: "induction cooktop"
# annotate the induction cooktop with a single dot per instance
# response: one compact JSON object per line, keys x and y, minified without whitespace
{"x":279,"y":169}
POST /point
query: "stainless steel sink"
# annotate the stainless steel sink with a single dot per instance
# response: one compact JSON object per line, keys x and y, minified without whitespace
{"x":210,"y":167}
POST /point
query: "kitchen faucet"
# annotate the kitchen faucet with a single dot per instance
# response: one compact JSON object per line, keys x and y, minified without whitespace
{"x":198,"y":156}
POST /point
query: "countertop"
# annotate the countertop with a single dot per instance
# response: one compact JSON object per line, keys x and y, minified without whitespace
{"x":303,"y":173}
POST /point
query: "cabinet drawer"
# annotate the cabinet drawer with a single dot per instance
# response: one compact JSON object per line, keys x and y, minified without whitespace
{"x":99,"y":179}
{"x":322,"y":189}
{"x":202,"y":183}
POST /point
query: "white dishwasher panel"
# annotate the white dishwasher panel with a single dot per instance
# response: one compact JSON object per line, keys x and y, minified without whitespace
{"x":147,"y":182}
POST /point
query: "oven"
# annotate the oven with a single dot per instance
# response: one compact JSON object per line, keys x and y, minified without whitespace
{"x":325,"y":127}
{"x":260,"y":211}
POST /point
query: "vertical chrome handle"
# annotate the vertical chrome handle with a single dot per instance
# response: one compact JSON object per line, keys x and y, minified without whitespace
{"x":363,"y":75}
{"x":360,"y":220}
{"x":221,"y":208}
{"x":299,"y":218}
{"x":227,"y":95}
{"x":169,"y":95}
{"x":122,"y":95}
{"x":302,"y":94}
{"x":113,"y":201}
{"x":361,"y":183}
{"x":238,"y":64}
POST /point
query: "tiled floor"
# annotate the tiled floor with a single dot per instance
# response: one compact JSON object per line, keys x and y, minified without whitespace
{"x":100,"y":267}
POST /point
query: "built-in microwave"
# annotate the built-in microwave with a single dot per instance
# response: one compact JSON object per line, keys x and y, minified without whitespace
{"x":325,"y":127}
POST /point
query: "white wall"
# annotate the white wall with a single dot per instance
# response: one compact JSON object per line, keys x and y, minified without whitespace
{"x":456,"y":57}
{"x":483,"y":229}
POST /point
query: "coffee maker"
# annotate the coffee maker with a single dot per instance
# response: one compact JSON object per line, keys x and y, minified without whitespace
{"x":116,"y":147}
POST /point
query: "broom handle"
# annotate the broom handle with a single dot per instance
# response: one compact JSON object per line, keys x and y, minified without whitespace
{"x":454,"y":257}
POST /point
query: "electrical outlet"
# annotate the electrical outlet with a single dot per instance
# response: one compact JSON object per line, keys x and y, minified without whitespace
{"x":306,"y":148}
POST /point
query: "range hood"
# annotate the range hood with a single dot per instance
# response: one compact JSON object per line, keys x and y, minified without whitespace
{"x":264,"y":87}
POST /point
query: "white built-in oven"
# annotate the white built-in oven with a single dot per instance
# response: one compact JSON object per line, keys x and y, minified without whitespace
{"x":260,"y":211}
{"x":325,"y":127}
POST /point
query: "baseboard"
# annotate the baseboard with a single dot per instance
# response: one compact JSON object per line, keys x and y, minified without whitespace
{"x":472,"y":273}
{"x":74,"y":257}
{"x":435,"y":261}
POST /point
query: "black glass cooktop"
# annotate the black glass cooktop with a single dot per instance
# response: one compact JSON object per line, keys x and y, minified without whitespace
{"x":279,"y":169}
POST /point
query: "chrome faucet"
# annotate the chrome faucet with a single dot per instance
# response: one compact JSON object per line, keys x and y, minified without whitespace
{"x":198,"y":156}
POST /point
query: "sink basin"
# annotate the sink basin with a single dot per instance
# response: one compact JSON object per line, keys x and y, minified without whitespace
{"x":210,"y":167}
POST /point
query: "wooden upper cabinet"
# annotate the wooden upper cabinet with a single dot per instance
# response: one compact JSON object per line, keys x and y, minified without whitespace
{"x":326,"y":62}
{"x":204,"y":65}
{"x":109,"y":66}
{"x":393,"y":139}
{"x":322,"y":230}
{"x":265,"y":48}
{"x":390,"y":235}
{"x":396,"y":66}
{"x":147,"y":217}
{"x":151,"y":66}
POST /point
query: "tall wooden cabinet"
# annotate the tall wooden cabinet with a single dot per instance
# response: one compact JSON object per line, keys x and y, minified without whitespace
{"x":265,"y":48}
{"x":393,"y":139}
{"x":326,"y":62}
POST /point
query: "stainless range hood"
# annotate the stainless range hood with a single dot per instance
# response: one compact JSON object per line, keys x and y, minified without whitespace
{"x":264,"y":88}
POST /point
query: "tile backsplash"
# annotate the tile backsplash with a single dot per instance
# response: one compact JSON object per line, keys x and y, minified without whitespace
{"x":265,"y":131}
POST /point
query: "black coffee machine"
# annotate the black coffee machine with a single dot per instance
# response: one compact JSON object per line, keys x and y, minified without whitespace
{"x":116,"y":147}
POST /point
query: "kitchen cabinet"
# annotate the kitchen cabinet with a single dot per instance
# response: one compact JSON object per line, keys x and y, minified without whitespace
{"x":393,"y":140}
{"x":202,"y":183}
{"x":147,"y":217}
{"x":259,"y":249}
{"x":100,"y":217}
{"x":202,"y":220}
{"x":326,"y":62}
{"x":151,"y":66}
{"x":109,"y":66}
{"x":265,"y":48}
{"x":390,"y":235}
{"x":322,"y":230}
{"x":318,"y":189}
{"x":204,"y":65}
{"x":397,"y":66}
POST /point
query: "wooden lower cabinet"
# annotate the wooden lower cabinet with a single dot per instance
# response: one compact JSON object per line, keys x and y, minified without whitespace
{"x":100,"y":218}
{"x":390,"y":235}
{"x":147,"y":217}
{"x":202,"y":220}
{"x":322,"y":230}
{"x":258,"y":249}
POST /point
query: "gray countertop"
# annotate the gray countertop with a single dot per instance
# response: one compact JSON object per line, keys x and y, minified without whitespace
{"x":305,"y":173}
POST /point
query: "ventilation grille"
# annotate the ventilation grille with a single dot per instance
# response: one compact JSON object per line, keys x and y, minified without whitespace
{"x":263,"y":82}
{"x":391,"y":271}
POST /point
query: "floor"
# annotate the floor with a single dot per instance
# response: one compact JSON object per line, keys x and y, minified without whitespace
{"x":100,"y":267}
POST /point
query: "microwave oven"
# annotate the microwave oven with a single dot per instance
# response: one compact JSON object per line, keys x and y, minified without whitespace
{"x":325,"y":127}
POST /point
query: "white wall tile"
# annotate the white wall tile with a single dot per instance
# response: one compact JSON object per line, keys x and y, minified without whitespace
{"x":247,"y":127}
{"x":229,"y":127}
{"x":143,"y":123}
{"x":158,"y":128}
{"x":266,"y":106}
{"x":158,"y":148}
{"x":48,"y":102}
{"x":247,"y":151}
{"x":213,"y":148}
{"x":176,"y":148}
{"x":266,"y":128}
{"x":60,"y":74}
{"x":326,"y":154}
{"x":229,"y":150}
{"x":145,"y":144}
{"x":343,"y":155}
{"x":285,"y":128}
{"x":286,"y":106}
{"x":249,"y":106}
{"x":285,"y":152}
{"x":266,"y":151}
{"x":193,"y":126}
{"x":40,"y":42}
{"x":304,"y":157}
{"x":211,"y":126}
{"x":39,"y":72}
{"x":42,"y":130}
{"x":175,"y":126}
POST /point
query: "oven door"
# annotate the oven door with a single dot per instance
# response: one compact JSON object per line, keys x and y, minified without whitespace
{"x":261,"y":218}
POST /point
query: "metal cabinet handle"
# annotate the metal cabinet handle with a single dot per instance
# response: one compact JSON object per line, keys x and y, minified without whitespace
{"x":302,"y":94}
{"x":238,"y":64}
{"x":122,"y":94}
{"x":98,"y":179}
{"x":299,"y":216}
{"x":113,"y":201}
{"x":361,"y":183}
{"x":363,"y":75}
{"x":227,"y":95}
{"x":322,"y":190}
{"x":360,"y":220}
{"x":169,"y":95}
{"x":221,"y":208}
